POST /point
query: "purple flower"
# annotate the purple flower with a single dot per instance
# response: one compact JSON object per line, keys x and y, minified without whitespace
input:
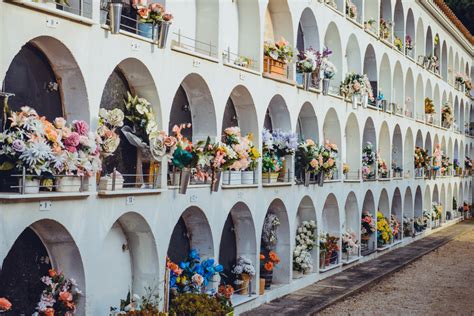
{"x":18,"y":145}
{"x":81,"y":127}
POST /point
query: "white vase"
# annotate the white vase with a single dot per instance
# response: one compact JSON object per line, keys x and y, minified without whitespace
{"x":105,"y":184}
{"x":355,"y":99}
{"x":68,"y":184}
{"x":231,"y":177}
{"x":32,"y":186}
{"x":247,"y":177}
{"x":365,"y":101}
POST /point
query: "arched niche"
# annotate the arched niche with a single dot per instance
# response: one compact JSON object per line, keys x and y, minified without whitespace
{"x":437,"y":104}
{"x":242,"y":39}
{"x":461,"y":117}
{"x":420,"y":39}
{"x":456,"y":63}
{"x":359,"y":8}
{"x":281,"y":272}
{"x":277,"y":115}
{"x":427,"y":203}
{"x":307,"y":36}
{"x":450,"y":152}
{"x":443,"y":146}
{"x":371,"y":12}
{"x":443,"y":202}
{"x":450,"y":207}
{"x":45,"y":76}
{"x":384,"y":149}
{"x":450,"y":66}
{"x":456,"y":150}
{"x":385,"y":76}
{"x":456,"y":196}
{"x":332,"y":40}
{"x":397,"y":149}
{"x":386,"y":15}
{"x":369,"y":206}
{"x":429,"y":42}
{"x":240,"y":111}
{"x":192,"y":103}
{"x":461,"y":194}
{"x":278,"y":22}
{"x":207,"y":27}
{"x":399,"y":23}
{"x":428,"y":144}
{"x":435,"y":200}
{"x":408,"y":152}
{"x":369,"y":137}
{"x":437,"y":48}
{"x":408,"y":211}
{"x":332,"y":131}
{"x":409,"y":94}
{"x":128,"y":260}
{"x":397,"y":211}
{"x":353,"y":145}
{"x":307,"y":124}
{"x":419,"y":139}
{"x":384,"y":204}
{"x":398,"y":88}
{"x":456,"y":114}
{"x":353,"y":57}
{"x":330,"y":218}
{"x":130,"y":75}
{"x":43,"y":245}
{"x":420,"y":98}
{"x":237,"y":239}
{"x":192,"y":231}
{"x":307,"y":212}
{"x":352,"y":215}
{"x":410,"y":32}
{"x":418,"y":204}
{"x":444,"y":62}
{"x":370,"y":68}
{"x":436,"y":142}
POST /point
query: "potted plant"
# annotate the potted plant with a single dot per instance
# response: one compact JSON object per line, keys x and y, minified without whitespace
{"x":244,"y":270}
{"x":276,"y":57}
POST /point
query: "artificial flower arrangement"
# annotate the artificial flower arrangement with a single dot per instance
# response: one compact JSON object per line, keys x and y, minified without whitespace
{"x":134,"y":305}
{"x":329,"y":155}
{"x":243,"y":61}
{"x":421,"y":222}
{"x":59,"y":296}
{"x":370,"y":25}
{"x":421,"y":158}
{"x":308,"y":158}
{"x":445,"y":165}
{"x":194,"y":274}
{"x":107,"y":137}
{"x":244,"y":270}
{"x":345,"y":168}
{"x":368,"y":226}
{"x":151,"y":13}
{"x":307,"y":61}
{"x":349,"y":242}
{"x":276,"y":146}
{"x":407,"y":226}
{"x":447,"y":116}
{"x":384,"y":231}
{"x":280,"y":51}
{"x":240,"y":153}
{"x":408,"y":42}
{"x":268,"y":261}
{"x":5,"y":305}
{"x":468,"y":163}
{"x":305,"y":242}
{"x":356,"y":84}
{"x":321,"y":60}
{"x":351,"y":9}
{"x":329,"y":70}
{"x":328,"y":247}
{"x":434,"y":63}
{"x":368,"y":160}
{"x":436,"y":212}
{"x":382,"y":167}
{"x":395,"y":224}
{"x":385,"y":29}
{"x":331,"y":3}
{"x":429,"y":106}
{"x":398,"y":43}
{"x":269,"y":233}
{"x":459,"y":78}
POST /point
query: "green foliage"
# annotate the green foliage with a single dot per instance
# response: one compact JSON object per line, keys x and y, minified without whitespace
{"x":189,"y":304}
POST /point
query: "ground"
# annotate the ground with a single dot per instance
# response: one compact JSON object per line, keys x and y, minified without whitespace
{"x":438,"y":283}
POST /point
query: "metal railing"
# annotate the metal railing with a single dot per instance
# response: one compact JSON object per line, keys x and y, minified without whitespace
{"x":78,"y":7}
{"x":239,"y":60}
{"x":352,"y":175}
{"x":198,"y":46}
{"x":116,"y":181}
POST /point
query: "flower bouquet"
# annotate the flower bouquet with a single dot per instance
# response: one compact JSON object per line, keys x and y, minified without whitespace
{"x":385,"y":29}
{"x":368,"y":226}
{"x":384,"y":231}
{"x":382,"y":168}
{"x":421,"y":223}
{"x":459,"y":79}
{"x":368,"y":160}
{"x":395,"y":224}
{"x":59,"y":296}
{"x":306,"y":65}
{"x":308,"y":160}
{"x":468,"y":165}
{"x":244,"y":270}
{"x":350,"y":244}
{"x":407,"y":226}
{"x":351,"y":10}
{"x":328,"y":250}
{"x":447,"y":116}
{"x":355,"y":86}
{"x":329,"y":155}
{"x":268,"y":261}
{"x":276,"y":56}
{"x":269,"y":233}
{"x":277,"y":147}
{"x":153,"y":21}
{"x":370,"y":25}
{"x":305,"y":242}
{"x":408,"y":44}
{"x":398,"y":43}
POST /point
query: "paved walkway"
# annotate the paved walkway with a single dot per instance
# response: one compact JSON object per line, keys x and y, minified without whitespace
{"x":320,"y":295}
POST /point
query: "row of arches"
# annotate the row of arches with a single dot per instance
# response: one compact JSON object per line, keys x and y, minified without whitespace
{"x":129,"y":258}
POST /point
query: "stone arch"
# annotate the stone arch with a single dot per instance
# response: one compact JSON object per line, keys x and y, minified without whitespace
{"x":353,"y":56}
{"x":332,"y":39}
{"x":353,"y":145}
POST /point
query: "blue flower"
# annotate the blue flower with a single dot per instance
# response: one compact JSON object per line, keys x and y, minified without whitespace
{"x":219,"y":268}
{"x":194,"y":254}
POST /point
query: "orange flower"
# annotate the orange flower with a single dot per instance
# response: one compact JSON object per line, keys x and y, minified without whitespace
{"x":65,"y":296}
{"x":268,"y":266}
{"x":52,"y":273}
{"x":274,"y":257}
{"x":5,"y":304}
{"x":49,"y":312}
{"x":262,"y":257}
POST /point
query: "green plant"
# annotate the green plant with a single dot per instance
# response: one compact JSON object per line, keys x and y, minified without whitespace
{"x":189,"y":304}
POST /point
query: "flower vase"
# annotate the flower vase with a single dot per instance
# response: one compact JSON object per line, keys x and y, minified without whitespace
{"x":163,"y":28}
{"x":184,"y":178}
{"x":355,"y":99}
{"x":268,"y":276}
{"x":68,"y":184}
{"x":283,"y":171}
{"x":365,"y":101}
{"x":216,"y":179}
{"x":232,"y":177}
{"x":307,"y":177}
{"x":247,"y":177}
{"x":148,"y":30}
{"x":322,"y":259}
{"x":327,"y":258}
{"x":245,"y":286}
{"x":306,"y":81}
{"x":321,"y":178}
{"x":326,"y":86}
{"x":270,"y":177}
{"x":261,"y":290}
{"x":115,"y":15}
{"x":32,"y":186}
{"x":334,"y":257}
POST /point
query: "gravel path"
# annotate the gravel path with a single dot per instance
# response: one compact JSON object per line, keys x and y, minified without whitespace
{"x":440,"y":283}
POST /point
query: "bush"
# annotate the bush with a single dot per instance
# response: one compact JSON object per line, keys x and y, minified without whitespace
{"x":189,"y":304}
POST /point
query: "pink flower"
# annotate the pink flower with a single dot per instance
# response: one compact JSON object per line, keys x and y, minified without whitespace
{"x":71,"y":149}
{"x":81,"y":127}
{"x":356,"y":86}
{"x":72,"y":140}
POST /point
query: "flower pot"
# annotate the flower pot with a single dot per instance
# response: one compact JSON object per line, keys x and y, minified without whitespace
{"x":105,"y":184}
{"x":307,"y":177}
{"x":68,"y":184}
{"x":273,"y":66}
{"x":268,"y":276}
{"x":306,"y":81}
{"x":215,"y":181}
{"x":270,"y":177}
{"x":115,"y":15}
{"x":365,"y":100}
{"x":32,"y":186}
{"x":326,"y":86}
{"x":231,"y":177}
{"x":321,"y":179}
{"x":163,"y":28}
{"x":384,"y":105}
{"x":148,"y":30}
{"x":261,"y":289}
{"x":355,"y":99}
{"x":245,"y":286}
{"x":247,"y":177}
{"x":184,"y":178}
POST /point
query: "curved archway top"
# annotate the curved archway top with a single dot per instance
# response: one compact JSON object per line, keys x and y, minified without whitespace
{"x":246,"y":111}
{"x":279,"y":114}
{"x":279,"y":22}
{"x":309,"y":25}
